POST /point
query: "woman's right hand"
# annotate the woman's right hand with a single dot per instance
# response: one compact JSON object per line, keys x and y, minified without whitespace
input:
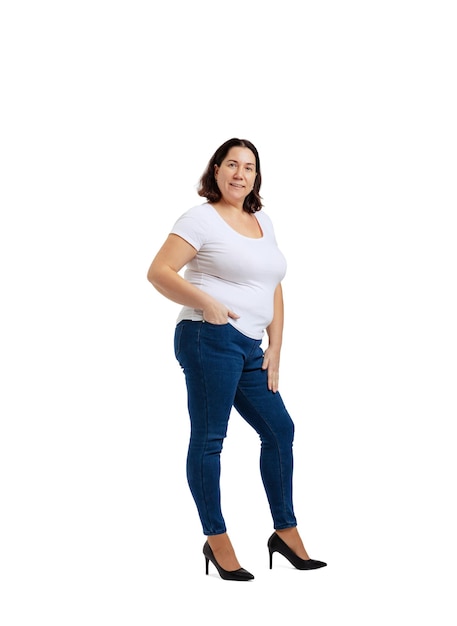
{"x":164,"y":275}
{"x":217,"y":313}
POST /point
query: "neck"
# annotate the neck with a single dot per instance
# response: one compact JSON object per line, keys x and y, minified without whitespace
{"x":224,"y":204}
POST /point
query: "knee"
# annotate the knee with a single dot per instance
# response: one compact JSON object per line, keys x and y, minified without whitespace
{"x":206,"y":445}
{"x":281,"y":435}
{"x":288,"y":431}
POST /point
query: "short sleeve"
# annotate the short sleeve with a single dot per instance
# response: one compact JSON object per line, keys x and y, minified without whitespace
{"x":191,"y":227}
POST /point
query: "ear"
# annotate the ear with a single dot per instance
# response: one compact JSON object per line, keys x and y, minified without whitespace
{"x":216,"y":170}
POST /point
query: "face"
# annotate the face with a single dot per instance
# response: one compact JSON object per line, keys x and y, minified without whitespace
{"x":236,"y":174}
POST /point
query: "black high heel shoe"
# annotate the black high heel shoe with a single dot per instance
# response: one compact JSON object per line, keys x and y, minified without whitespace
{"x":276,"y":544}
{"x":237,"y":574}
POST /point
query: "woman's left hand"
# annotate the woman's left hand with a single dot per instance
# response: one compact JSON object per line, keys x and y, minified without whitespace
{"x":271,"y":364}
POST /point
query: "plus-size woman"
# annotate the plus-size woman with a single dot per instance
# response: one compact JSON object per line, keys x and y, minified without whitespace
{"x":231,"y":295}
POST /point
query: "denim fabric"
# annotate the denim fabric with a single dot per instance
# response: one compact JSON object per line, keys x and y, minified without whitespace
{"x":223,"y":368}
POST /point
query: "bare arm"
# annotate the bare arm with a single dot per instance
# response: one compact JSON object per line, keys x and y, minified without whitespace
{"x":164,"y":275}
{"x":274,"y":332}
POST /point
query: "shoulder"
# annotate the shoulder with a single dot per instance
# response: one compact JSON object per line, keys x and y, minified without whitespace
{"x":199,"y":212}
{"x":264,"y":219}
{"x":197,"y":217}
{"x":194,"y":225}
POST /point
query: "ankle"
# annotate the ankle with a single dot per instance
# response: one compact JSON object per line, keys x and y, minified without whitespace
{"x":292,"y":538}
{"x":223,"y":551}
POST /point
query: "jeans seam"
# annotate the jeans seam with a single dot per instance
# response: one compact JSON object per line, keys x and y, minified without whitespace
{"x":210,"y":532}
{"x":259,"y":415}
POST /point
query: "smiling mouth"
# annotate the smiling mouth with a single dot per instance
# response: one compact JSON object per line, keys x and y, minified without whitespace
{"x":237,"y":186}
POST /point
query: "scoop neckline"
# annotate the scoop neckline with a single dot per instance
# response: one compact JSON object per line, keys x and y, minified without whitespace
{"x":235,"y":231}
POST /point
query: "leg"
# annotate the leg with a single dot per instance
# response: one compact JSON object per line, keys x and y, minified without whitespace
{"x":266,"y":413}
{"x":212,"y":367}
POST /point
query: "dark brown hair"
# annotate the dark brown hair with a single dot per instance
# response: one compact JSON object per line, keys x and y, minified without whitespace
{"x":208,"y":188}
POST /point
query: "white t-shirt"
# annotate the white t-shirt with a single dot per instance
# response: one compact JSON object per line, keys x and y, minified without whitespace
{"x":241,"y":272}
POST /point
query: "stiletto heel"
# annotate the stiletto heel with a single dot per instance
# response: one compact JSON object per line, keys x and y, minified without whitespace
{"x":238,"y":574}
{"x":276,"y":544}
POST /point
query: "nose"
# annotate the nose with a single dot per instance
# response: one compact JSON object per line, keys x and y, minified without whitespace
{"x":238,"y":172}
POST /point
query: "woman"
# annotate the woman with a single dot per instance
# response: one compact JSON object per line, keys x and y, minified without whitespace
{"x":231,"y":295}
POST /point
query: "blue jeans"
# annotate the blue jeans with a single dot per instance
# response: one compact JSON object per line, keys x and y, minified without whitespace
{"x":223,"y":368}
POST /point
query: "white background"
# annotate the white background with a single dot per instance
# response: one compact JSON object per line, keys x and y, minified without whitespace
{"x":109,"y":114}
